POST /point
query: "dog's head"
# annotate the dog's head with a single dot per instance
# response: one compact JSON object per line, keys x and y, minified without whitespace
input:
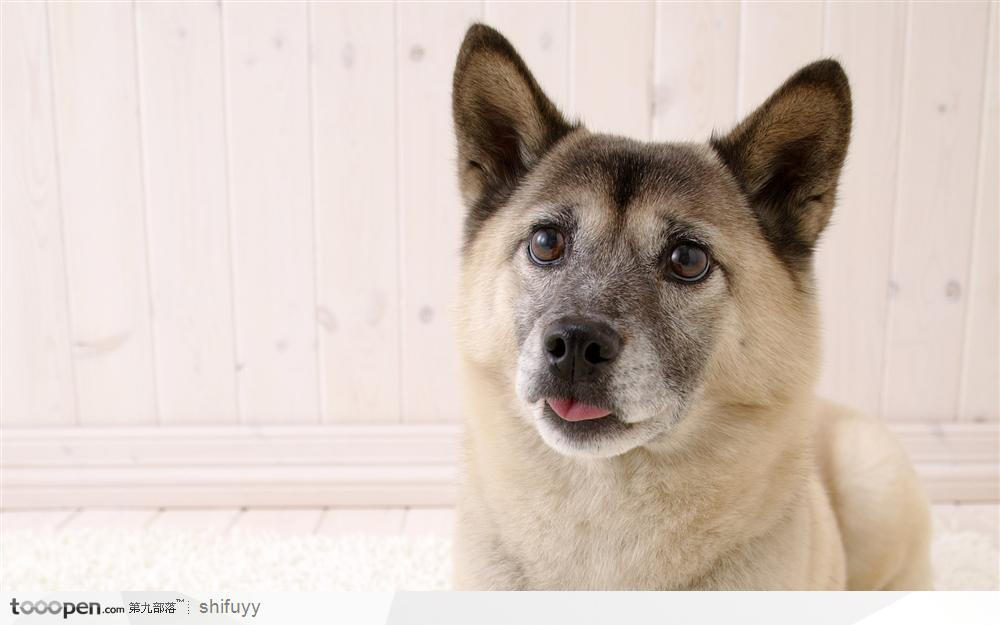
{"x":619,"y":287}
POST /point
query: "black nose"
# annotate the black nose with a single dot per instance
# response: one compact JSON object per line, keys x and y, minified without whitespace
{"x":579,"y":348}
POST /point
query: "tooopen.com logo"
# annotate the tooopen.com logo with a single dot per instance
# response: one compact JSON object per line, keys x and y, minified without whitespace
{"x":58,"y":607}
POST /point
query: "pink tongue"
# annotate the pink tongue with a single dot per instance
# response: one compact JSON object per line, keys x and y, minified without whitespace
{"x":571,"y":410}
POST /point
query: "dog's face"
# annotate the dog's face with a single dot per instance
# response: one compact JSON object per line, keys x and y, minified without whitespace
{"x":615,"y":286}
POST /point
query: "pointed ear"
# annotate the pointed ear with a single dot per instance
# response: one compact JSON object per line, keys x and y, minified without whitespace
{"x":504,"y":123}
{"x":787,"y":157}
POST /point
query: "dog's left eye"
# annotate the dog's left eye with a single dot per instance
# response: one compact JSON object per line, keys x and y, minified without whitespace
{"x":689,"y":262}
{"x":546,"y":246}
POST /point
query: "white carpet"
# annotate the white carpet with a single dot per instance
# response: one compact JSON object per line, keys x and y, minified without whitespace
{"x":105,"y":559}
{"x":190,"y":560}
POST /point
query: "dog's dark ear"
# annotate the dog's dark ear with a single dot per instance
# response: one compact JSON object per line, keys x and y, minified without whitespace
{"x":504,"y":122}
{"x":787,"y":156}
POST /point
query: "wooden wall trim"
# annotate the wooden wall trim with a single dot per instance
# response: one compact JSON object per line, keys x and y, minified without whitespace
{"x":342,"y":465}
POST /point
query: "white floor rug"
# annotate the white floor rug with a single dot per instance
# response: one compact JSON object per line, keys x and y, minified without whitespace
{"x":198,"y":561}
{"x":190,"y":560}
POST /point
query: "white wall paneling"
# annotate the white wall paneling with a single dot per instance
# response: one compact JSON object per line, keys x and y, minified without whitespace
{"x":935,"y":204}
{"x":427,"y":40}
{"x":270,"y":173}
{"x":776,"y":38}
{"x":613,"y":66}
{"x":37,"y":372}
{"x":852,"y":264}
{"x":245,"y":215}
{"x":357,"y":221}
{"x":979,"y":399}
{"x":697,"y":69}
{"x":101,"y":189}
{"x":184,"y":141}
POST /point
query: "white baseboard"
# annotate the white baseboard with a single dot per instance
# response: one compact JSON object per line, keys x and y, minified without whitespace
{"x":342,"y":465}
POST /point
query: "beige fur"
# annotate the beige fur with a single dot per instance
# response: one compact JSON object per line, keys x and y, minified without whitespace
{"x":752,"y":490}
{"x":825,"y":500}
{"x":758,"y":484}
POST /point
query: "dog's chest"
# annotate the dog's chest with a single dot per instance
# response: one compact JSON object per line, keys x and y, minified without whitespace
{"x":605,"y":532}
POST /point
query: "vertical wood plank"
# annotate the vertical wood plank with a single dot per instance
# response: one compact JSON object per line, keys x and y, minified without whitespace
{"x":979,"y":399}
{"x":37,"y":370}
{"x":272,"y":215}
{"x":613,"y":67}
{"x":540,"y":33}
{"x":777,"y":39}
{"x":852,"y":262}
{"x":697,"y":52}
{"x":355,"y":173}
{"x":93,"y":49}
{"x":935,"y":207}
{"x":180,"y":53}
{"x":430,"y":210}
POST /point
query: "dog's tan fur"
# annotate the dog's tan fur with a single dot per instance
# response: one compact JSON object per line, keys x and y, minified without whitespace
{"x":759,"y":484}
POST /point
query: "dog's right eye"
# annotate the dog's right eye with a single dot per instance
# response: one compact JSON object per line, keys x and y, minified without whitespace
{"x":546,"y":246}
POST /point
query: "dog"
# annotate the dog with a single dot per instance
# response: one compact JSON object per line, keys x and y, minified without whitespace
{"x":638,"y":336}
